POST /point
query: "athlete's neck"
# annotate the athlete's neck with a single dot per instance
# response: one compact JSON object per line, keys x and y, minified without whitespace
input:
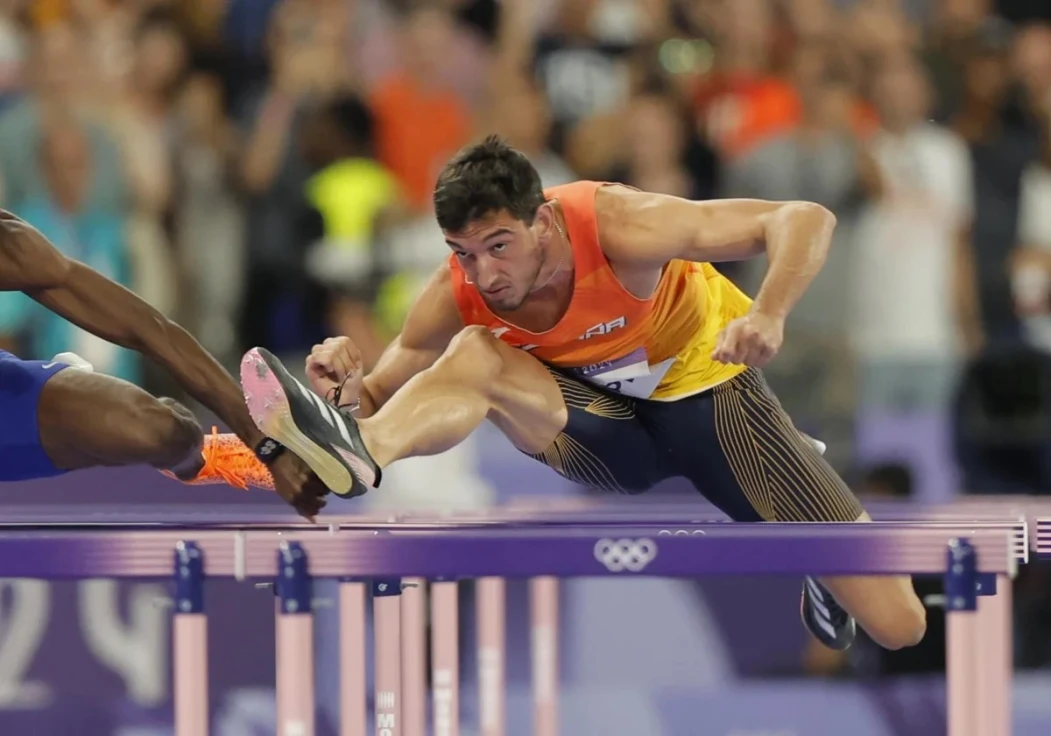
{"x":558,"y":258}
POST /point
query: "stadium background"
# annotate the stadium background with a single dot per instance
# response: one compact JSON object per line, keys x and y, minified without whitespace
{"x":260,"y":171}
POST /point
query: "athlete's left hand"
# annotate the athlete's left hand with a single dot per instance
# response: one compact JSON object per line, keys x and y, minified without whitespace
{"x":752,"y":340}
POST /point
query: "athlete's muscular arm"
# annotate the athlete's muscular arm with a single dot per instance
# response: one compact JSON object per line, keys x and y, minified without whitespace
{"x":644,"y":230}
{"x":29,"y":263}
{"x":431,"y":324}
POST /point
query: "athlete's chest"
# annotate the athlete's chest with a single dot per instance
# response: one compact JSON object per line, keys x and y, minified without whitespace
{"x":615,"y":352}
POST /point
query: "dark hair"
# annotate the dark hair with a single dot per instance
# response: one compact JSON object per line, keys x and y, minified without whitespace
{"x":485,"y":178}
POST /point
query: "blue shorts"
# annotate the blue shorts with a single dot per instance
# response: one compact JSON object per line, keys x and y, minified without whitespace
{"x":21,"y":455}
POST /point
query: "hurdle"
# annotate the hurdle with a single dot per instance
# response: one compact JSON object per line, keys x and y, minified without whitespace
{"x":977,"y":559}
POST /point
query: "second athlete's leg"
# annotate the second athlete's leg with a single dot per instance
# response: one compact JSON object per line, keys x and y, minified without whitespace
{"x":88,"y":420}
{"x":60,"y":416}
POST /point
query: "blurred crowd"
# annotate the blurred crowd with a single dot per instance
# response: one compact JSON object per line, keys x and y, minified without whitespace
{"x":260,"y":170}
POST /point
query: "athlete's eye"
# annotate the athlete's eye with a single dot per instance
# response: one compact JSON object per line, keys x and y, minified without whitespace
{"x":499,"y":247}
{"x":461,"y":255}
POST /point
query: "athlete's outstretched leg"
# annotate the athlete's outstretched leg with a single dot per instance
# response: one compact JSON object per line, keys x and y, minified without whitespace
{"x":59,"y":416}
{"x":478,"y":377}
{"x":88,"y":419}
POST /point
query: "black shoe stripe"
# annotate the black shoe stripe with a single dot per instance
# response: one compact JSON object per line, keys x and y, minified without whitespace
{"x":307,"y":416}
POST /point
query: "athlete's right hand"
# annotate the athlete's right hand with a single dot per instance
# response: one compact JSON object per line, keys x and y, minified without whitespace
{"x":335,"y":367}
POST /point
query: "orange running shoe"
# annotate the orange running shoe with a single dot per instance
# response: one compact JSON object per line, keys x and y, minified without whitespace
{"x":229,"y":461}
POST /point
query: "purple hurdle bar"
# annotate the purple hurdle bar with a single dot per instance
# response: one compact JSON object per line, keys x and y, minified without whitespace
{"x":448,"y":552}
{"x":554,"y":512}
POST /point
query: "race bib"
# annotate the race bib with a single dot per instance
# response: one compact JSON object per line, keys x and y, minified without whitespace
{"x":631,"y":375}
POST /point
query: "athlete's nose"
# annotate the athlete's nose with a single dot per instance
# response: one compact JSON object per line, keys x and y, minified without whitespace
{"x":487,"y":273}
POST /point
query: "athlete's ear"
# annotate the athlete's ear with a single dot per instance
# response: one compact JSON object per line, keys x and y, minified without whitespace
{"x":544,"y":222}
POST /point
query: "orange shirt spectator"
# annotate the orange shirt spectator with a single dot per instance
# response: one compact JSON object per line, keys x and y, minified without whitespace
{"x":740,"y":112}
{"x":417,"y":130}
{"x":736,"y":110}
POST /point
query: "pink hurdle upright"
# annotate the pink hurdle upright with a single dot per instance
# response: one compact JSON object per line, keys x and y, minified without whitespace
{"x":190,"y":643}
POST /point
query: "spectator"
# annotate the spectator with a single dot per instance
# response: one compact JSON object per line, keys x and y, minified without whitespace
{"x":12,"y":57}
{"x":355,"y":196}
{"x":144,"y":115}
{"x":519,"y":112}
{"x":741,"y":100}
{"x":1002,"y":141}
{"x":208,"y":221}
{"x":582,"y":73}
{"x":820,"y":160}
{"x":957,"y":27}
{"x":417,"y":92}
{"x":59,"y":72}
{"x":1031,"y":263}
{"x":64,"y":213}
{"x":915,"y":293}
{"x":307,"y":67}
{"x":658,"y":140}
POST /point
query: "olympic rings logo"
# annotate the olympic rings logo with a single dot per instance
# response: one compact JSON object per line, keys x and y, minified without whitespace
{"x":681,"y":533}
{"x":619,"y":555}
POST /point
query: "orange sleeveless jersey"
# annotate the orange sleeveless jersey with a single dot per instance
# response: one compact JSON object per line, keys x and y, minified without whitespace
{"x":657,"y":348}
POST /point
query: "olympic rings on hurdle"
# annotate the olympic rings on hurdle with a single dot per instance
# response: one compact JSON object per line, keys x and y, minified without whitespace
{"x":632,"y":555}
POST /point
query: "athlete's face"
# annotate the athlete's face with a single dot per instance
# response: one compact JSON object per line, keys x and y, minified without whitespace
{"x":503,"y":256}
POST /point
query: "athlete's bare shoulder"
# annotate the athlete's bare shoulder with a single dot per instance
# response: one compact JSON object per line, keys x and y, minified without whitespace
{"x":642,"y":229}
{"x":434,"y":318}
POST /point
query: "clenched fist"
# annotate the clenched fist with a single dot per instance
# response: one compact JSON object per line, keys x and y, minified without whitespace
{"x":334,"y":369}
{"x":751,"y":340}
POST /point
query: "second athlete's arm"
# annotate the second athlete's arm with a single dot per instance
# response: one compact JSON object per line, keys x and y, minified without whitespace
{"x":31,"y":264}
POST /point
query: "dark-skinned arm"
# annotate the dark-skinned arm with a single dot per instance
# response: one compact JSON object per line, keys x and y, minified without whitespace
{"x":31,"y":264}
{"x":640,"y":230}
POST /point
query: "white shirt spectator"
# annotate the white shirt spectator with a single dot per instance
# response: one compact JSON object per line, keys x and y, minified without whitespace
{"x":904,"y":303}
{"x":1034,"y":231}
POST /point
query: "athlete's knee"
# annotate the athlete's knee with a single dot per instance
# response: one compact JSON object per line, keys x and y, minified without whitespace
{"x":904,"y":627}
{"x":168,"y":431}
{"x":475,"y":352}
